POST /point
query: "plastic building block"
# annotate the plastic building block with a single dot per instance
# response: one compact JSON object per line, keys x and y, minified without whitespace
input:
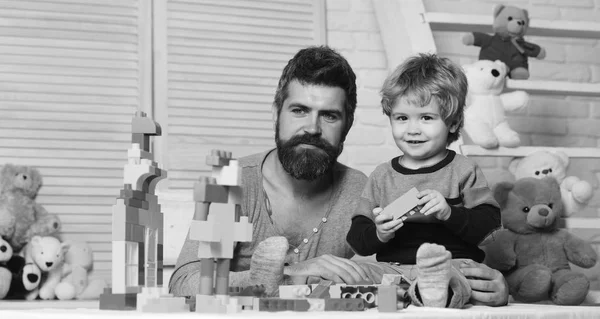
{"x":278,"y":304}
{"x":206,"y":190}
{"x":387,"y":300}
{"x":322,"y":290}
{"x":295,"y":291}
{"x":366,"y":293}
{"x":218,"y":158}
{"x":111,"y":301}
{"x":403,"y":205}
{"x":340,"y":304}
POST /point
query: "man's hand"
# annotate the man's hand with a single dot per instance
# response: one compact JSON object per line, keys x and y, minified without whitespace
{"x":432,"y":202}
{"x":328,"y":267}
{"x":489,"y":288}
{"x":386,"y":225}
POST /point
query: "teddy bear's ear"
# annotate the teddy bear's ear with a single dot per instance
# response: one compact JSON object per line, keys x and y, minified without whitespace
{"x":497,"y":9}
{"x":514,"y":165}
{"x":526,"y":14}
{"x":562,"y":157}
{"x":501,"y":191}
{"x":64,"y":247}
{"x":36,"y":239}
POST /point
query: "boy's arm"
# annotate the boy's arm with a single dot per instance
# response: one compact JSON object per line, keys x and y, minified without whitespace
{"x":480,"y":215}
{"x":362,"y":236}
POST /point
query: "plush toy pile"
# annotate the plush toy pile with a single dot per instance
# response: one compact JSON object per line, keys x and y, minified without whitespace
{"x":33,"y":260}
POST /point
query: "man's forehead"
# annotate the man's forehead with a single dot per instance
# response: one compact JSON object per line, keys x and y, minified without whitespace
{"x":315,"y":95}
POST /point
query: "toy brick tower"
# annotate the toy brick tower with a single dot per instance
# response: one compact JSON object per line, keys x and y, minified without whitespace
{"x":218,"y":231}
{"x":137,"y":226}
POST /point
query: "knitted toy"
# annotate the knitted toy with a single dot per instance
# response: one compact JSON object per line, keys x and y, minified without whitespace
{"x":21,"y":217}
{"x":75,"y":283}
{"x":485,"y":123}
{"x":48,"y":254}
{"x":507,"y":43}
{"x":531,"y":251}
{"x":575,"y":193}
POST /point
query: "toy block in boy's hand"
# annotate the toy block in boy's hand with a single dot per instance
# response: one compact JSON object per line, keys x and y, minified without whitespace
{"x":405,"y":204}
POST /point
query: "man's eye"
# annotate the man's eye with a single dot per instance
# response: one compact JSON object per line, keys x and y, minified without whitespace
{"x":331,"y":117}
{"x":298,"y":111}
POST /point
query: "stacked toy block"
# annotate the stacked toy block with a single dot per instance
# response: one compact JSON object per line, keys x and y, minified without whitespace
{"x":218,"y":231}
{"x":137,"y":230}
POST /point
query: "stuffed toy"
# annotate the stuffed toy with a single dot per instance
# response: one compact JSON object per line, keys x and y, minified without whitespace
{"x":575,"y":193}
{"x":21,"y":218}
{"x":507,"y":43}
{"x":16,"y":277}
{"x":75,"y":283}
{"x":531,"y":251}
{"x":485,"y":122}
{"x":48,"y":254}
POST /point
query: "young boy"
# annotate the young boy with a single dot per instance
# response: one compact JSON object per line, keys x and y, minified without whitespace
{"x":424,"y":99}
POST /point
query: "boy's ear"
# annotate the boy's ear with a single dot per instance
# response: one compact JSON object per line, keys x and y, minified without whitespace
{"x":453,"y":127}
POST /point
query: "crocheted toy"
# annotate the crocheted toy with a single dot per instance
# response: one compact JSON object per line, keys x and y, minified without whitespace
{"x":21,"y":217}
{"x":575,"y":193}
{"x":532,"y":252}
{"x":48,"y":254}
{"x":507,"y":43}
{"x":16,"y":277}
{"x":75,"y":283}
{"x":485,"y":121}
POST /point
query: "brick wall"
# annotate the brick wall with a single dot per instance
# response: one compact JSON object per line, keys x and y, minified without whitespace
{"x":548,"y":121}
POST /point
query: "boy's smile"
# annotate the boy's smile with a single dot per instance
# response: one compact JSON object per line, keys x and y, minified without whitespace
{"x":420,"y":133}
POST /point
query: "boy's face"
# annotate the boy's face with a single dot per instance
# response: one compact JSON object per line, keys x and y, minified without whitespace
{"x":309,"y":129}
{"x":420,"y":133}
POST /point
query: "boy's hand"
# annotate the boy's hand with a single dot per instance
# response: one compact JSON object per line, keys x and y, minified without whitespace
{"x":386,"y":225}
{"x":434,"y":203}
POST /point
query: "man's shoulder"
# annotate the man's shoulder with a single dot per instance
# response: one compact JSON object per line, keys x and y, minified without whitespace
{"x":349,"y":175}
{"x":253,"y":160}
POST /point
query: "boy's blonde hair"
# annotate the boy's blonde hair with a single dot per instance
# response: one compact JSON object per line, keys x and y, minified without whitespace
{"x":423,"y":77}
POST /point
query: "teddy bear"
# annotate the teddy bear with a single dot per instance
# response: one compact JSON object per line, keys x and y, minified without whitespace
{"x":16,"y":277}
{"x":485,"y":122}
{"x":531,"y":251}
{"x":575,"y":193}
{"x":75,"y":283}
{"x":507,"y":43}
{"x":48,"y":254}
{"x":21,"y":218}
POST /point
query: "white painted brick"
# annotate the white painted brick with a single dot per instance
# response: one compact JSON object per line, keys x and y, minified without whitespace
{"x":473,"y":7}
{"x":580,"y":14}
{"x":373,"y":79}
{"x":555,"y":52}
{"x":559,"y":72}
{"x":367,"y":136}
{"x":351,"y":21}
{"x":368,"y":41}
{"x":595,"y":73}
{"x":584,"y":127}
{"x":577,"y":53}
{"x":372,"y":117}
{"x":532,"y":124}
{"x":366,"y":59}
{"x":595,"y":106}
{"x":543,"y":12}
{"x":362,"y":5}
{"x":340,"y":40}
{"x":546,"y":2}
{"x":368,"y":98}
{"x":575,"y":3}
{"x":562,"y":141}
{"x":556,"y":107}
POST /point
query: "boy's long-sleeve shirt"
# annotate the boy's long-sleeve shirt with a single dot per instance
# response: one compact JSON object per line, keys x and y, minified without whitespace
{"x":475,"y":214}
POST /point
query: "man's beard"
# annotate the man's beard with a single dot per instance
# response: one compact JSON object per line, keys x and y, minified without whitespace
{"x":306,"y":163}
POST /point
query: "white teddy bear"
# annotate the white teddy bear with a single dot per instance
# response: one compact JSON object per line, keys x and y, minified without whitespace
{"x":485,"y":121}
{"x":48,"y":254}
{"x":575,"y":193}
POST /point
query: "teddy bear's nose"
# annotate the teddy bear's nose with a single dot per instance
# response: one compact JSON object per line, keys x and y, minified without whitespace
{"x":543,"y":212}
{"x":25,"y":177}
{"x":545,"y":171}
{"x":3,"y":248}
{"x":521,"y":23}
{"x":49,"y":264}
{"x":495,"y":73}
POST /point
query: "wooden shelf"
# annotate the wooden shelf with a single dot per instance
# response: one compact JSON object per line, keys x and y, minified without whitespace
{"x":555,"y":87}
{"x":440,"y":21}
{"x":522,"y":151}
{"x":582,"y":223}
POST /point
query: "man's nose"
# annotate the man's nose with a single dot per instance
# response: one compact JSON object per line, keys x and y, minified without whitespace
{"x":313,"y":126}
